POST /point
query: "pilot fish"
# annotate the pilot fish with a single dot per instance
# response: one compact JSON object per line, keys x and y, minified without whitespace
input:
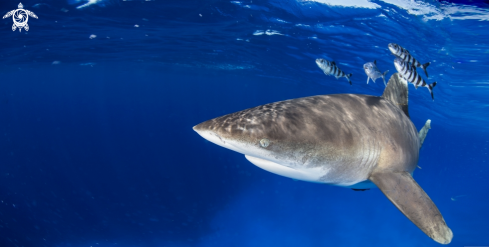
{"x":404,"y":54}
{"x":330,"y":68}
{"x":373,"y":72}
{"x":409,"y":73}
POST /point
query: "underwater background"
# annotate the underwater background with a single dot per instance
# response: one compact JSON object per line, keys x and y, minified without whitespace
{"x":99,"y":97}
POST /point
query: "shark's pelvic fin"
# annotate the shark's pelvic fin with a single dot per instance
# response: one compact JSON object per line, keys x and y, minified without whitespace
{"x":423,"y":132}
{"x":397,"y":92}
{"x":412,"y":201}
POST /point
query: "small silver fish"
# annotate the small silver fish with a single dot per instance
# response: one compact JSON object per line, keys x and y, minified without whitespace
{"x":404,"y":54}
{"x":330,"y":68}
{"x":409,"y":73}
{"x":373,"y":72}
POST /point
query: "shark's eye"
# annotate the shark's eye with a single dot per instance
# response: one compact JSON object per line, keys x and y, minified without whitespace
{"x":264,"y":143}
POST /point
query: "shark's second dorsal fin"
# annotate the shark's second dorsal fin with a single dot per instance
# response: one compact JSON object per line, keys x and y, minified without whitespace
{"x":423,"y":132}
{"x":397,"y":92}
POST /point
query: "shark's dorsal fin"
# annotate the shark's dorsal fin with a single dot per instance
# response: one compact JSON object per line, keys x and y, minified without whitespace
{"x":397,"y":92}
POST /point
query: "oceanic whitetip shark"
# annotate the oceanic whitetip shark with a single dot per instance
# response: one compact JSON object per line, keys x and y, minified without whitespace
{"x":351,"y":140}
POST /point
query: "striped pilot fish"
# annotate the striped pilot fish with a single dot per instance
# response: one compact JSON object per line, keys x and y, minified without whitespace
{"x":330,"y":68}
{"x":409,"y":73}
{"x":373,"y":72}
{"x":404,"y":54}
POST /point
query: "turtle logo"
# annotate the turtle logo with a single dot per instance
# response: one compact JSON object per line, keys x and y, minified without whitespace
{"x":20,"y":17}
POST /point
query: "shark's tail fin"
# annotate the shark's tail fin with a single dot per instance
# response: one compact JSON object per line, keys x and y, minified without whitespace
{"x":348,"y":78}
{"x":383,"y":77}
{"x":397,"y":92}
{"x":423,"y":132}
{"x":424,"y":66}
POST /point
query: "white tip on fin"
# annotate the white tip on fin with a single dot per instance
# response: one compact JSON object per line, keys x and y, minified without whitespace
{"x":423,"y":132}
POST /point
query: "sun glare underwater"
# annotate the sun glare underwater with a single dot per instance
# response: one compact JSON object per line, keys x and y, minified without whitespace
{"x":110,"y":112}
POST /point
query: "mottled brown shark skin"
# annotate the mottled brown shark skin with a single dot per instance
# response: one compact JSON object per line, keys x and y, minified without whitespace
{"x":340,"y":139}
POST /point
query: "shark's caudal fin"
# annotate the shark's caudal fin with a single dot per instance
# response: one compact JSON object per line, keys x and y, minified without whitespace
{"x":423,"y":132}
{"x":414,"y":203}
{"x":397,"y":92}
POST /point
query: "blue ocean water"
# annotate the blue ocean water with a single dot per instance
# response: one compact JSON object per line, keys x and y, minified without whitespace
{"x":99,"y":97}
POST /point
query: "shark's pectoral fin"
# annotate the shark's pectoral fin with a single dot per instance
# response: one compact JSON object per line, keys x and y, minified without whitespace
{"x":412,"y":201}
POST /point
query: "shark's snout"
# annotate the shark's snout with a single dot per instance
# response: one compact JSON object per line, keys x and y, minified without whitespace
{"x":208,"y":134}
{"x":201,"y":127}
{"x":197,"y":128}
{"x":206,"y":131}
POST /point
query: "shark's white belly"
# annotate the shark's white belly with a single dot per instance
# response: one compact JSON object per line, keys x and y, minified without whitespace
{"x":313,"y":174}
{"x":310,"y":175}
